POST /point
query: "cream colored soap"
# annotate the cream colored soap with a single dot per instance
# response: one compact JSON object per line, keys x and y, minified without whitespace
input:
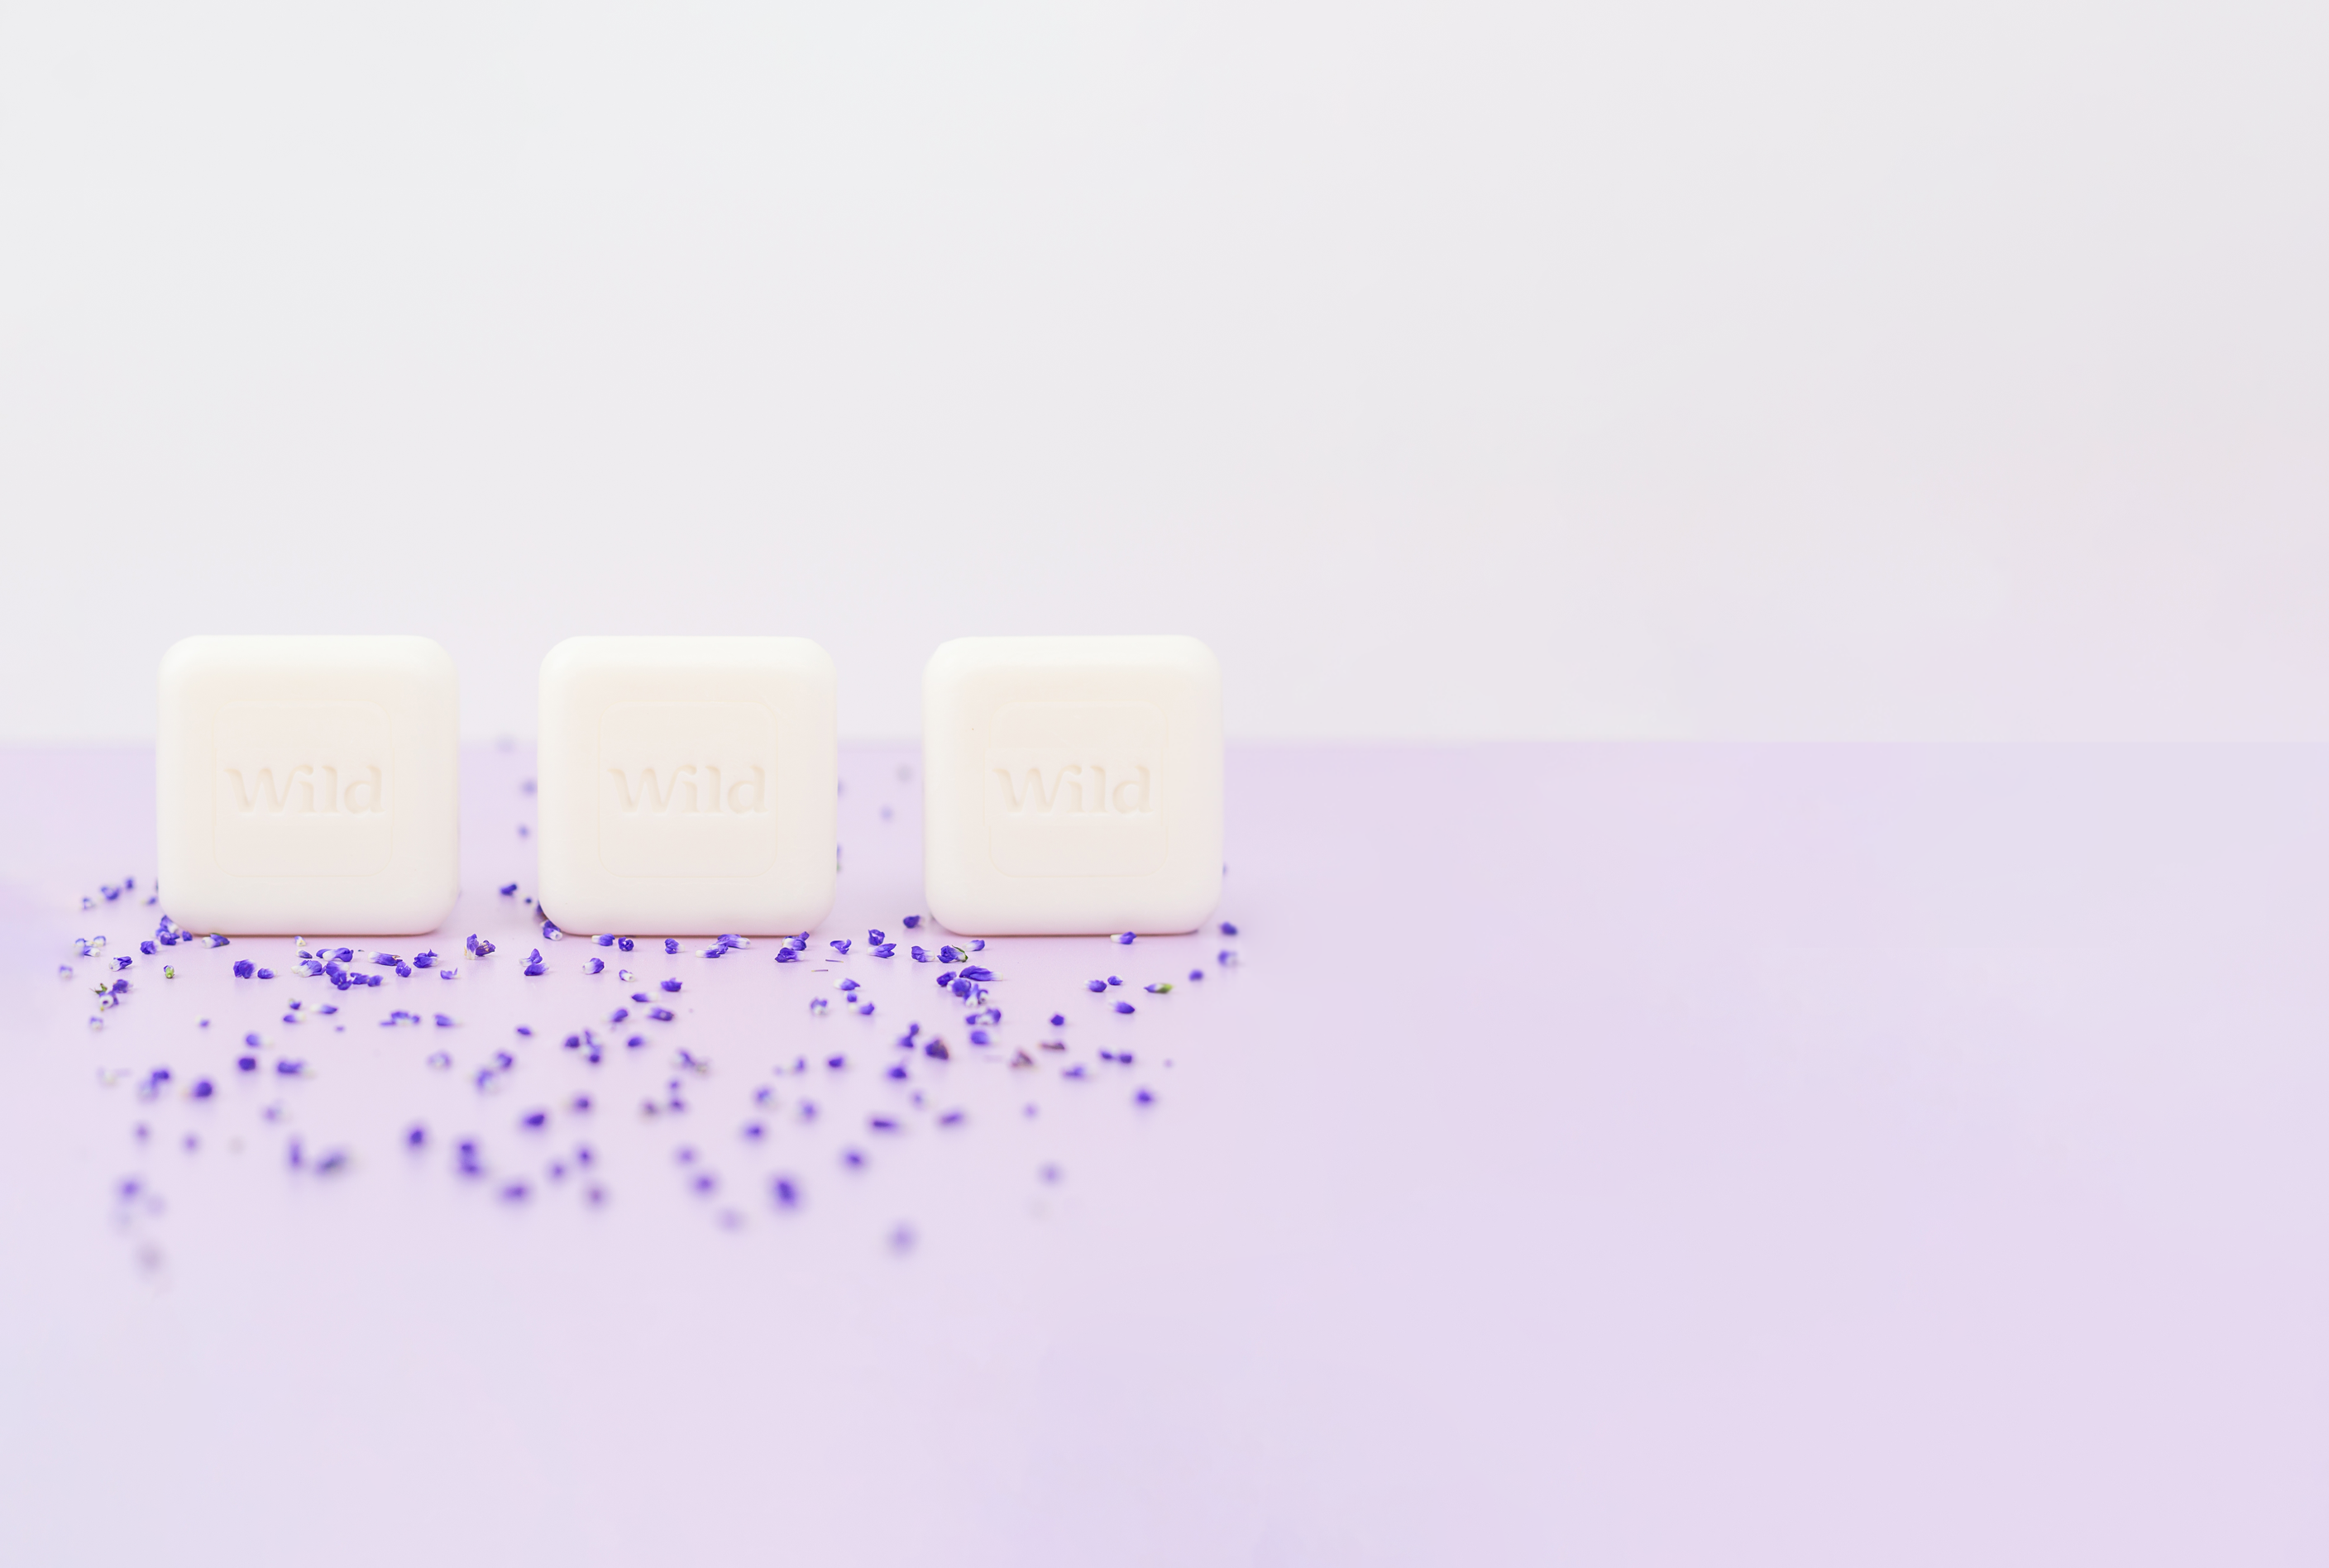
{"x":1071,"y":784}
{"x":309,"y":784}
{"x":687,"y":784}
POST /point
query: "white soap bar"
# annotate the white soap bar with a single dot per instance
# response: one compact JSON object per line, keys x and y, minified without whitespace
{"x":1071,"y":784}
{"x":687,"y":785}
{"x":309,"y":784}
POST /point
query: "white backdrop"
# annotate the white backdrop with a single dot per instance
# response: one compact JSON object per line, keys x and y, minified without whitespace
{"x":1456,"y":369}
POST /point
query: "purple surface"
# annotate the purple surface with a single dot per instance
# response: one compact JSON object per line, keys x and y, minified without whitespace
{"x":1623,"y":1154}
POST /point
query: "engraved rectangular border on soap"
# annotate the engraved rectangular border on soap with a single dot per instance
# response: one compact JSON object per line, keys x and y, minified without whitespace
{"x":687,"y":788}
{"x":303,"y":788}
{"x":1076,"y":788}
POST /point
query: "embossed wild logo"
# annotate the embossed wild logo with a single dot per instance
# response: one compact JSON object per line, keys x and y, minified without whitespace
{"x":307,"y":789}
{"x":304,"y":787}
{"x":690,"y":789}
{"x":1077,"y":790}
{"x":1078,"y":786}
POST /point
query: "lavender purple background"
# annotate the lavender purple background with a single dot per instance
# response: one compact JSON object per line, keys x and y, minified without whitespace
{"x":1603,"y":1154}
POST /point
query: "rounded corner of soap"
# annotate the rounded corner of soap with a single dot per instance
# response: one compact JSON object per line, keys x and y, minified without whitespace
{"x":182,"y":660}
{"x":563,"y":658}
{"x":952,"y":910}
{"x":1195,"y":655}
{"x":950,"y":660}
{"x":814,"y":658}
{"x":432,"y":658}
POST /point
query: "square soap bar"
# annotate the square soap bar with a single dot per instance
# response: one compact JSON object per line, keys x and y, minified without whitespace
{"x":687,"y":784}
{"x":309,"y":784}
{"x":1071,"y":784}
